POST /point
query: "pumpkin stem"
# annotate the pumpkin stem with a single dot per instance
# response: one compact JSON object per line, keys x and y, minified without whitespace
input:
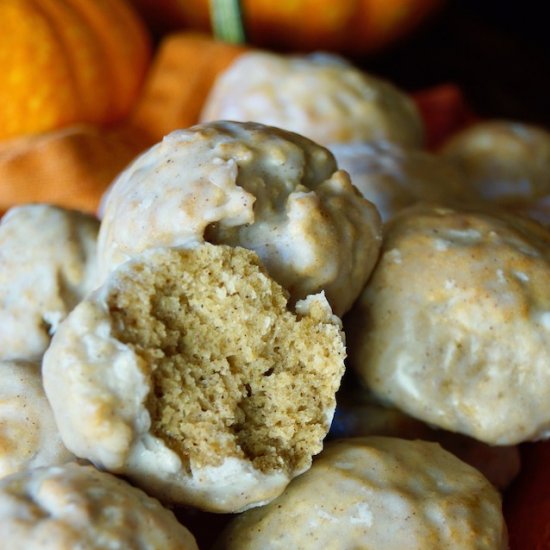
{"x":226,"y":17}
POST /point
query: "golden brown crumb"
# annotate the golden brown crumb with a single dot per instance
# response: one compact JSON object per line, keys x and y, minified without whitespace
{"x":241,"y":382}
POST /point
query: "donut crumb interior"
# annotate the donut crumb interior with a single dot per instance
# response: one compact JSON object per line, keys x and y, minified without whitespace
{"x":234,"y":372}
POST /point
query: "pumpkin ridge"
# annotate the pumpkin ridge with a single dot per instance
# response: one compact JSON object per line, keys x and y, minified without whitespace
{"x":86,"y":60}
{"x":18,"y":113}
{"x":57,"y":69}
{"x":46,"y":17}
{"x":126,"y":43}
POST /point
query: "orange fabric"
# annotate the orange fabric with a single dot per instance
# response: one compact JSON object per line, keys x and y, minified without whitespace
{"x":183,"y":71}
{"x":71,"y":167}
{"x":445,"y":111}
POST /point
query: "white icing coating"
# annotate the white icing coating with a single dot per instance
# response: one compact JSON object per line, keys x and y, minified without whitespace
{"x":322,"y":97}
{"x":47,"y":264}
{"x":451,"y":334}
{"x":29,"y":437}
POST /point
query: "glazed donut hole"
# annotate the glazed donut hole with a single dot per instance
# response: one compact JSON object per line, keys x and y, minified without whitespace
{"x":240,"y":381}
{"x":453,"y":324}
{"x":218,"y":379}
{"x":506,"y":163}
{"x":394,"y":177}
{"x":377,"y":492}
{"x":47,"y":265}
{"x":502,"y":160}
{"x":321,"y":96}
{"x":28,"y":433}
{"x":76,"y":506}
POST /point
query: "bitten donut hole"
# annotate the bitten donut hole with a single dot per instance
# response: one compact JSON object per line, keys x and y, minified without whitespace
{"x":233,"y":372}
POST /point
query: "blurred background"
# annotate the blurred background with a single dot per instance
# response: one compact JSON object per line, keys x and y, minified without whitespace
{"x":497,"y":51}
{"x":88,"y":68}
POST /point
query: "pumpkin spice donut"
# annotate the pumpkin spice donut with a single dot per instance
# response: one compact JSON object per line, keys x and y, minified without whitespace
{"x":249,"y":185}
{"x":28,"y":433}
{"x":47,"y":264}
{"x":188,"y":372}
{"x":393,"y":177}
{"x":76,"y":506}
{"x":453,"y":326}
{"x":505,"y":162}
{"x":320,"y":96}
{"x":377,"y":492}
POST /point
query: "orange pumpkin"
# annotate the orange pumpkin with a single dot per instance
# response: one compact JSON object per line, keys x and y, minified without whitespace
{"x":67,"y":61}
{"x":354,"y":27}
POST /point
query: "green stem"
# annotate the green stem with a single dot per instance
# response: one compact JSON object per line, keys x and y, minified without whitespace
{"x":227,"y":21}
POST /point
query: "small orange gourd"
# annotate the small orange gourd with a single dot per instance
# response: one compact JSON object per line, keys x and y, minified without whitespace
{"x":68,"y":61}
